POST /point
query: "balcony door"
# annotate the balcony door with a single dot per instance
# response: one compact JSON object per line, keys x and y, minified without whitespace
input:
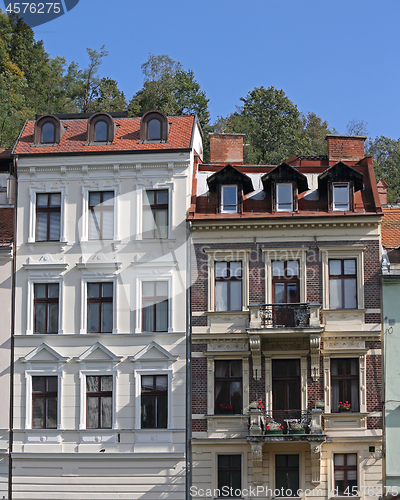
{"x":285,"y":290}
{"x":286,"y":387}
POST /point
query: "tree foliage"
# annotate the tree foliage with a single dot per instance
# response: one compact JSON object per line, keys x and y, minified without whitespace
{"x":386,"y":154}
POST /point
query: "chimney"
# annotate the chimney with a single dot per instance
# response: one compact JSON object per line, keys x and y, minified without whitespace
{"x":226,"y":148}
{"x":382,"y":191}
{"x":345,"y":147}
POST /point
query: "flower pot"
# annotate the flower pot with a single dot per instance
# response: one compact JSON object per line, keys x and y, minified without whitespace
{"x":297,"y":431}
{"x":279,"y":431}
{"x":344,"y":410}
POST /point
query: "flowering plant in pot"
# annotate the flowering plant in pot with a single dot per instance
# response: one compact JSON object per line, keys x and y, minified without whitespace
{"x":318,"y":404}
{"x":344,"y":406}
{"x":274,"y":428}
{"x":296,"y":428}
{"x":225,"y":408}
{"x":256,"y":405}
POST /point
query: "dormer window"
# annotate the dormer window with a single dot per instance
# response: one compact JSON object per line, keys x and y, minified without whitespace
{"x":154,"y":127}
{"x":48,"y":133}
{"x":341,"y":196}
{"x":100,"y":131}
{"x":229,"y":199}
{"x":154,"y":130}
{"x":284,"y":197}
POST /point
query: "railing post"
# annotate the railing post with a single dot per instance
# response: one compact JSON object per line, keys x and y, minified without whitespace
{"x":255,"y":315}
{"x":255,"y":422}
{"x":316,"y":421}
{"x":314,"y":315}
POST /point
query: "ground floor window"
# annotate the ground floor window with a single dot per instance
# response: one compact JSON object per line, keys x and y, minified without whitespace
{"x":287,"y":474}
{"x":230,"y":475}
{"x":345,"y":465}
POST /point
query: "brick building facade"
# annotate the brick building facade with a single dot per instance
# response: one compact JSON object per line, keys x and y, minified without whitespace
{"x":286,"y":333}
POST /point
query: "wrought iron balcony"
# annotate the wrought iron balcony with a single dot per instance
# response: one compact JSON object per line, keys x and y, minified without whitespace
{"x":300,"y":315}
{"x":285,"y":422}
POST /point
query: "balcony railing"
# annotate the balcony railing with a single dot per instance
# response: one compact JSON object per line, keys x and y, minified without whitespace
{"x":286,"y":417}
{"x":283,"y":422}
{"x":300,"y":315}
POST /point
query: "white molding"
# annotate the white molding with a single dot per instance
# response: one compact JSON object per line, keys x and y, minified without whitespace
{"x":99,"y":262}
{"x":153,"y":186}
{"x":343,"y":252}
{"x":228,"y":255}
{"x":102,"y":370}
{"x":112,"y":358}
{"x":148,"y":275}
{"x":282,"y":254}
{"x":98,"y":187}
{"x":163,"y":358}
{"x":45,"y":263}
{"x":152,"y":371}
{"x":30,"y":357}
{"x":48,"y":188}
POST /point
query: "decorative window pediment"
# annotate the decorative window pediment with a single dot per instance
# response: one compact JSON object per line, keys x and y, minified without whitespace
{"x":44,"y":354}
{"x":100,"y":262}
{"x":153,"y":352}
{"x":98,"y":353}
{"x":46,"y":263}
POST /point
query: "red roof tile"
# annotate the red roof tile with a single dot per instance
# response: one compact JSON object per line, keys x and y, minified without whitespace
{"x":127,"y":137}
{"x":6,"y":226}
{"x":391,"y":227}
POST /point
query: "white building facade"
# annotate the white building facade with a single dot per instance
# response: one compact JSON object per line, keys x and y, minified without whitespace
{"x":100,"y":327}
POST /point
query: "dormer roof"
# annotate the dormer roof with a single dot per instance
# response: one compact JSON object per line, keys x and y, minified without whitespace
{"x":341,"y":172}
{"x":230,"y":175}
{"x":285,"y":173}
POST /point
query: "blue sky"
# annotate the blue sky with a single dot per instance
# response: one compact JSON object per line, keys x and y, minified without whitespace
{"x":339,"y":59}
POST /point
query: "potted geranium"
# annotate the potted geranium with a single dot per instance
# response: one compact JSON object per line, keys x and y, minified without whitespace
{"x":344,"y":406}
{"x":256,"y":405}
{"x":225,"y":408}
{"x":273,"y":428}
{"x":296,"y":428}
{"x":318,"y":404}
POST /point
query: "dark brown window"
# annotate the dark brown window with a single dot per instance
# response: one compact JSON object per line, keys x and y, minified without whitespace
{"x":287,"y":474}
{"x":155,"y":306}
{"x":286,"y":384}
{"x":101,"y":215}
{"x":99,"y":402}
{"x":155,"y":214}
{"x":228,"y":386}
{"x":48,"y":133}
{"x":345,"y":384}
{"x":44,"y":402}
{"x":154,"y":127}
{"x":154,"y":130}
{"x":100,"y":131}
{"x":45,"y":304}
{"x":342,"y":284}
{"x":345,"y":465}
{"x":228,"y":286}
{"x":48,"y":216}
{"x":229,"y":476}
{"x":154,"y":401}
{"x":100,"y":307}
{"x":285,"y":281}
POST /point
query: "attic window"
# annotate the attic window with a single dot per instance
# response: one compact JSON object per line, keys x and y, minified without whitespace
{"x":341,"y":196}
{"x":284,"y":197}
{"x":48,"y":133}
{"x":229,"y":199}
{"x":154,"y":130}
{"x":100,"y":131}
{"x":154,"y":127}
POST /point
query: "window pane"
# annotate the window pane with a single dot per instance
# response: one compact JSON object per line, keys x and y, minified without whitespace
{"x":222,"y":369}
{"x":106,"y":317}
{"x":154,"y":130}
{"x":349,"y":266}
{"x":148,"y":288}
{"x":335,"y":294}
{"x":52,"y":318}
{"x":147,"y":382}
{"x":52,"y":384}
{"x":350,"y":294}
{"x":162,"y":316}
{"x":221,"y":296}
{"x":41,"y":227}
{"x":229,"y":198}
{"x":279,"y":293}
{"x":100,"y":131}
{"x":292,"y":268}
{"x":108,"y":198}
{"x":38,"y":384}
{"x":162,"y":408}
{"x":236,"y":269}
{"x":352,"y":459}
{"x":108,"y":225}
{"x":55,"y":200}
{"x":92,"y":412}
{"x":284,"y":194}
{"x":292,"y":293}
{"x":148,"y":318}
{"x":236,"y":296}
{"x":93,"y":290}
{"x":221,"y":269}
{"x":339,"y":459}
{"x":40,"y":318}
{"x":162,"y":223}
{"x":94,"y":225}
{"x":149,"y":197}
{"x":162,"y":197}
{"x":94,"y":199}
{"x":335,"y":267}
{"x":93,"y":318}
{"x":52,"y":290}
{"x":161,"y":382}
{"x":148,"y":224}
{"x":40,"y":291}
{"x":48,"y":133}
{"x":92,"y":384}
{"x":41,"y":200}
{"x":106,"y":383}
{"x":147,"y":403}
{"x":38,"y":413}
{"x":162,"y":289}
{"x":51,"y":413}
{"x":107,"y":289}
{"x":341,"y":197}
{"x":278,"y":268}
{"x":106,"y":412}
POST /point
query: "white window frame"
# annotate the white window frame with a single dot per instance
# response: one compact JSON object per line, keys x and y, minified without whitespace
{"x":277,"y":196}
{"x":97,"y":372}
{"x":284,"y":254}
{"x":138,"y":401}
{"x":139,"y":209}
{"x":340,"y":184}
{"x":228,"y":255}
{"x":139,"y":294}
{"x":222,"y":199}
{"x":48,"y":188}
{"x":348,"y":448}
{"x":84,"y":225}
{"x":227,"y":356}
{"x":48,"y":372}
{"x":97,"y":279}
{"x":343,"y":252}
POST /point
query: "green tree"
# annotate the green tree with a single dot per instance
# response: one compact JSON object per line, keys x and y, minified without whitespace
{"x":357,"y":127}
{"x":386,"y":154}
{"x":314,"y":131}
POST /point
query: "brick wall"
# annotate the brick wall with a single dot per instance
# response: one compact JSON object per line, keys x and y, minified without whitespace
{"x":226,"y":148}
{"x":199,"y":385}
{"x":374,"y":383}
{"x":345,"y":147}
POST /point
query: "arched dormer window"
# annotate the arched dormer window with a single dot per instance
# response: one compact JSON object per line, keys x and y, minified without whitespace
{"x":48,"y":130}
{"x":154,"y":127}
{"x":101,"y":128}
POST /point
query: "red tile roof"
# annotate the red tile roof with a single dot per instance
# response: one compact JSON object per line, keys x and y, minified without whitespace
{"x":6,"y":226}
{"x":391,"y":227}
{"x":127,"y":137}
